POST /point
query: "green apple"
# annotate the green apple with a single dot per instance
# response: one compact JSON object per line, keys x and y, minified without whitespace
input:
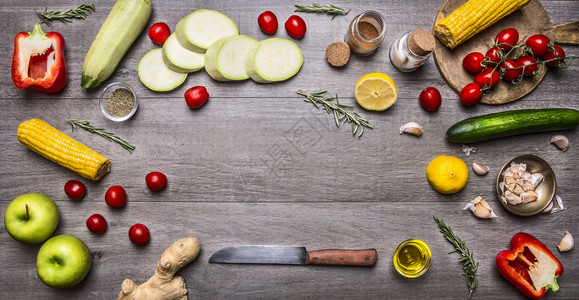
{"x":31,"y":218}
{"x":63,"y":261}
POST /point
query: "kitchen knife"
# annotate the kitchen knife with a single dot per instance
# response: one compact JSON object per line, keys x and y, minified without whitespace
{"x":285,"y":255}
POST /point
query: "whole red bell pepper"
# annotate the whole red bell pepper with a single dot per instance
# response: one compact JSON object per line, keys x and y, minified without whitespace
{"x":38,"y":61}
{"x":530,"y":266}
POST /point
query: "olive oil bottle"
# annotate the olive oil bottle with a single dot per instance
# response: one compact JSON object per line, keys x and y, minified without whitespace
{"x":412,"y":258}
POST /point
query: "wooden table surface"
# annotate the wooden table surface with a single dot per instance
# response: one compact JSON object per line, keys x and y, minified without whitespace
{"x":258,"y":165}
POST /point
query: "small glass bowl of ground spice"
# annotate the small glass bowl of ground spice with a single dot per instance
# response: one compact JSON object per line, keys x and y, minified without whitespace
{"x":118,"y":101}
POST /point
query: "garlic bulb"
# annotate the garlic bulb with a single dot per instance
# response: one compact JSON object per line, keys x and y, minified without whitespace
{"x":480,"y":208}
{"x":566,"y":242}
{"x":479,"y":169}
{"x":411,"y":128}
{"x":561,"y":141}
{"x":520,"y":184}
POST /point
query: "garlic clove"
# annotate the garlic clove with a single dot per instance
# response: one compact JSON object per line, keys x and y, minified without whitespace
{"x":561,"y":141}
{"x":411,"y":128}
{"x":536,"y":178}
{"x":529,"y":196}
{"x":480,"y":208}
{"x":566,"y":242}
{"x":510,"y":180}
{"x":548,"y":208}
{"x":479,"y":169}
{"x":513,"y":199}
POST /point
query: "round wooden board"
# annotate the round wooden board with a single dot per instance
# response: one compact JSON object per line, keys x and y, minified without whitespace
{"x":530,"y":20}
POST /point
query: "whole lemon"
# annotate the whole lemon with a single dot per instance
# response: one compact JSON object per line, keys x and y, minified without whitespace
{"x":447,"y":174}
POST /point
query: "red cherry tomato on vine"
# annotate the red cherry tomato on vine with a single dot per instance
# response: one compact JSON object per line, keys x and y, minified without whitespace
{"x":507,"y":38}
{"x":139,"y":234}
{"x":156,"y":181}
{"x":96,"y":223}
{"x":196,"y":96}
{"x":527,"y":61}
{"x":556,"y":52}
{"x":471,"y":94}
{"x":116,"y":196}
{"x":493,"y":56}
{"x":484,"y":79}
{"x":74,"y":189}
{"x":430,"y":99}
{"x":159,"y":33}
{"x":510,"y":73}
{"x":538,"y":44}
{"x":267,"y":21}
{"x":472,"y":62}
{"x":295,"y":26}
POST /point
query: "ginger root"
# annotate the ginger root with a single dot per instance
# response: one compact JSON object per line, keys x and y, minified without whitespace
{"x":164,"y":285}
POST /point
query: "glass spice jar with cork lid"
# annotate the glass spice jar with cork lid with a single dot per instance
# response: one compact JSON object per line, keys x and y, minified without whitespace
{"x":366,"y":32}
{"x":412,"y":50}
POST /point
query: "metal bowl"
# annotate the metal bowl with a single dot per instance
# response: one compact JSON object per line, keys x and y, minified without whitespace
{"x":545,"y":189}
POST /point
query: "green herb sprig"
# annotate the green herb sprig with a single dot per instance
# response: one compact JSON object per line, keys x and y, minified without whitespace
{"x":469,"y":266}
{"x":81,"y":12}
{"x":100,"y":131}
{"x":338,"y":109}
{"x":319,"y":8}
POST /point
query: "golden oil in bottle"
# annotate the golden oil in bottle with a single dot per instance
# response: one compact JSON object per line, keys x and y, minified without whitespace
{"x":412,"y":258}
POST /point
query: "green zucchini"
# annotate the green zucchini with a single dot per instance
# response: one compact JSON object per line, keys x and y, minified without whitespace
{"x":121,"y":28}
{"x":513,"y":122}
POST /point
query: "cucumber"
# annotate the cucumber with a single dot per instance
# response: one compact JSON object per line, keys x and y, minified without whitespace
{"x":155,"y":75}
{"x":274,"y":59}
{"x":225,"y":59}
{"x":180,"y":59}
{"x":513,"y":122}
{"x":125,"y":22}
{"x":197,"y":31}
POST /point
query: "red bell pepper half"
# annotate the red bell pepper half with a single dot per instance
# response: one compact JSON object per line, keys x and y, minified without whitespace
{"x":38,"y":61}
{"x":530,"y":266}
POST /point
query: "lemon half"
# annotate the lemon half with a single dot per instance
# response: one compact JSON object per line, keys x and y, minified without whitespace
{"x":375,"y":91}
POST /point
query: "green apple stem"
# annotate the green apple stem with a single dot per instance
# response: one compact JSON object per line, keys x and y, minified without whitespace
{"x":26,"y":215}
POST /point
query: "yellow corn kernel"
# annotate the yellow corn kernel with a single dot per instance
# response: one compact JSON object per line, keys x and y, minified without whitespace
{"x":51,"y":143}
{"x":473,"y":17}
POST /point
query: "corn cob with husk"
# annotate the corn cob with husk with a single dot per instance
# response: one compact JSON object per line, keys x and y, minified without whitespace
{"x":51,"y":143}
{"x":473,"y":17}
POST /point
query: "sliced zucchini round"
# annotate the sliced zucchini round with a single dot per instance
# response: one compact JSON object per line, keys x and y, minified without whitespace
{"x":225,"y":59}
{"x":197,"y":31}
{"x":179,"y":59}
{"x":274,"y":59}
{"x":155,"y":75}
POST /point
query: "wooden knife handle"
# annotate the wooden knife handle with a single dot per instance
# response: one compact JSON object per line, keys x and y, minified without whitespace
{"x":338,"y":257}
{"x":566,"y":34}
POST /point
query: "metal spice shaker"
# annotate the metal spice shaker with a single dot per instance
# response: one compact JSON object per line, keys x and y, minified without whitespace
{"x":412,"y":50}
{"x":366,"y":32}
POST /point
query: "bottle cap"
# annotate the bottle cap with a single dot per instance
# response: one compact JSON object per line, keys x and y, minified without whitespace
{"x":421,"y":42}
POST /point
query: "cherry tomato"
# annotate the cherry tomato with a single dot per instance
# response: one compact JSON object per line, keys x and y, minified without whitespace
{"x":74,"y":189}
{"x":484,"y":79}
{"x":556,"y":52}
{"x":116,"y":196}
{"x":96,"y":223}
{"x":507,"y":38}
{"x":267,"y":21}
{"x":509,"y":72}
{"x":538,"y":44}
{"x":471,"y":94}
{"x":527,"y":60}
{"x":139,"y":234}
{"x":159,"y":33}
{"x":156,"y":181}
{"x":196,"y":96}
{"x":295,"y":26}
{"x":430,"y":99}
{"x":493,"y":56}
{"x":472,"y":62}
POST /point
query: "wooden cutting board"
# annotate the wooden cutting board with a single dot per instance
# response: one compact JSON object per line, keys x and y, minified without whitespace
{"x":530,"y":20}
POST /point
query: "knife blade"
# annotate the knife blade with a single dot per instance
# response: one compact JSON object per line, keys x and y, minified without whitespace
{"x":286,"y":255}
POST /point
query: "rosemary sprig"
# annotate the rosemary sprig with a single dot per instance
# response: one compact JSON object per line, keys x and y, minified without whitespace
{"x":100,"y":131}
{"x":319,"y":8}
{"x":338,"y":109}
{"x":81,"y":12}
{"x":469,"y":266}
